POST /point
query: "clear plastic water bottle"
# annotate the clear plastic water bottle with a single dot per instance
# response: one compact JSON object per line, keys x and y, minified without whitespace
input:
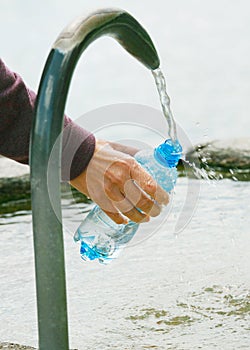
{"x":100,"y":237}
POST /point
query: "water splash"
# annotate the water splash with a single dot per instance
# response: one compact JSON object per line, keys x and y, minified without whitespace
{"x":165,"y":102}
{"x":199,"y":173}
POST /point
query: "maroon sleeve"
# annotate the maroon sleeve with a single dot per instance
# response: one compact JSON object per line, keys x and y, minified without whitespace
{"x":16,"y":113}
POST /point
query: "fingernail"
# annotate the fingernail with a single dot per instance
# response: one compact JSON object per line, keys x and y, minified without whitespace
{"x":145,"y":219}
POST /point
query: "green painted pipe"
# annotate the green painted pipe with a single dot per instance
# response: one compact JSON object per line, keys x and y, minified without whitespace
{"x":47,"y":126}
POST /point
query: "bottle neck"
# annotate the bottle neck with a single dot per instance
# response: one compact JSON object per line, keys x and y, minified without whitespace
{"x":168,"y":153}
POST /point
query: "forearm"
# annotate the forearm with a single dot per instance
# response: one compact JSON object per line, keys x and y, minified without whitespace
{"x":16,"y":114}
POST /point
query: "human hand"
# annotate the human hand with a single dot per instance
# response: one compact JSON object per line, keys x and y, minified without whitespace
{"x":119,"y":185}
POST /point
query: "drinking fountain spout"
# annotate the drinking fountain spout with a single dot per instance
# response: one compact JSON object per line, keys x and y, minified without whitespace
{"x":47,"y":126}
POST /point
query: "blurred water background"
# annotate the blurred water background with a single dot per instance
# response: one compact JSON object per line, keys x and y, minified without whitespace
{"x":181,"y":292}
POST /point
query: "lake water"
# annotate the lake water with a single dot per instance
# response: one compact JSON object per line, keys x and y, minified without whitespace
{"x":188,"y":291}
{"x":185,"y":291}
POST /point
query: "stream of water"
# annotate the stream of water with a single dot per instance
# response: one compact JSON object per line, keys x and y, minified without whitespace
{"x":165,"y":102}
{"x":161,"y":85}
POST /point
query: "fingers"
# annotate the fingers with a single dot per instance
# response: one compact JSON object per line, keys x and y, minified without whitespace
{"x":134,"y":215}
{"x":124,"y":148}
{"x":123,"y":210}
{"x":123,"y":196}
{"x":124,"y":203}
{"x":117,"y":217}
{"x":149,"y":185}
{"x":140,"y":199}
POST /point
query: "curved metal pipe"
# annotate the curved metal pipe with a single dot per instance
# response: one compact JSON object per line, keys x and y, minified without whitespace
{"x":47,"y":126}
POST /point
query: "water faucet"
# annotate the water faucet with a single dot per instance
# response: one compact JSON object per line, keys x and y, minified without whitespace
{"x":47,"y":126}
{"x":112,"y":22}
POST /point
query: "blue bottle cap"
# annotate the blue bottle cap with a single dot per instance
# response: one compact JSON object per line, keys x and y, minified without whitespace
{"x":168,"y":153}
